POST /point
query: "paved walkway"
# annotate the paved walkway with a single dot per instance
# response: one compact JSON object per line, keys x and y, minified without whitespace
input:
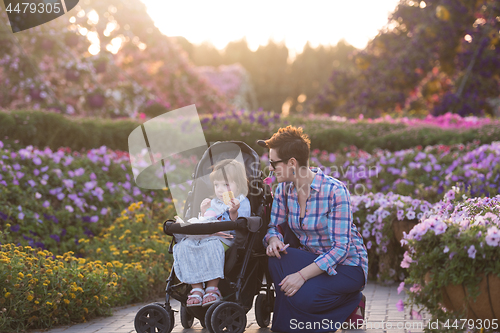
{"x":381,"y":316}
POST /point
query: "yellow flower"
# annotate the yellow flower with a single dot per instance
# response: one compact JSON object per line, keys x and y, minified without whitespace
{"x":30,"y":298}
{"x":72,"y":295}
{"x":7,"y":295}
{"x":66,"y":301}
{"x":21,"y":275}
{"x":80,"y":276}
{"x":86,"y":310}
{"x":109,"y":265}
{"x":96,"y":297}
{"x":36,"y":302}
{"x":48,"y":303}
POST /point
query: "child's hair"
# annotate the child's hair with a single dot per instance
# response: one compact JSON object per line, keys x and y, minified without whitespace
{"x":235,"y":171}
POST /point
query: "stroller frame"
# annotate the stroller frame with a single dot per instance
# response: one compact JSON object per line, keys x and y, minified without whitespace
{"x":245,"y":260}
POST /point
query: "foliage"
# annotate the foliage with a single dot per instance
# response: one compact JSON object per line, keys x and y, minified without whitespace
{"x":435,"y":55}
{"x":455,"y":243}
{"x":113,"y":61}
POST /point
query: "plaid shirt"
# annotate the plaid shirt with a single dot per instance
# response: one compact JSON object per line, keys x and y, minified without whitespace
{"x":327,"y":228}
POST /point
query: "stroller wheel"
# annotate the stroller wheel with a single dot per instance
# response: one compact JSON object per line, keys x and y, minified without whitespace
{"x":229,"y":317}
{"x":187,"y":319}
{"x":153,"y":318}
{"x":263,"y":310}
{"x":208,"y":316}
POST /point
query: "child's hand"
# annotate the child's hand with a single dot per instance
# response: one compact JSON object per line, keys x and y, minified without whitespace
{"x":234,"y":205}
{"x":205,"y":204}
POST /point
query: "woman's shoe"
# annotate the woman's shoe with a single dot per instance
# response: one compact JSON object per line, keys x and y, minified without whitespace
{"x":214,"y":292}
{"x":195,"y":296}
{"x":357,"y":317}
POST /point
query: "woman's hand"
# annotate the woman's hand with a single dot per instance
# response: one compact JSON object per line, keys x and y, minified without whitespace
{"x":205,"y":204}
{"x":275,"y":247}
{"x":291,"y":284}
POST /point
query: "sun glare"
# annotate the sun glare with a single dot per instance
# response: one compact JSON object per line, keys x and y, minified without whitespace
{"x":319,"y":22}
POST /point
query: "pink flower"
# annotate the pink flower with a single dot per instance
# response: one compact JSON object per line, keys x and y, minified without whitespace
{"x":401,"y":287}
{"x":400,"y":305}
{"x":406,"y":260}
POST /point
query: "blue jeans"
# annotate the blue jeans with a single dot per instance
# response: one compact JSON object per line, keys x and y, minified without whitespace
{"x":323,"y":302}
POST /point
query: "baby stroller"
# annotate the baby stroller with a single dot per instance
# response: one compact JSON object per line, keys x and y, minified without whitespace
{"x":245,"y":270}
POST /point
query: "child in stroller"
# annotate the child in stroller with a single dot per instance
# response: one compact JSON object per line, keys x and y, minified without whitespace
{"x":198,"y":260}
{"x":245,"y":269}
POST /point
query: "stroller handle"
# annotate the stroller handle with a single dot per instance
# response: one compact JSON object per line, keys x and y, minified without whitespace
{"x":252,"y":223}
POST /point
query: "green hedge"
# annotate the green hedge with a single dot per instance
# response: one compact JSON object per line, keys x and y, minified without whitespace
{"x":43,"y":129}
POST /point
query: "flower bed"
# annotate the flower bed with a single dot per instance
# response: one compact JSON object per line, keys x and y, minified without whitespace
{"x":455,"y":244}
{"x":375,"y":216}
{"x":52,"y":199}
{"x":128,"y":262}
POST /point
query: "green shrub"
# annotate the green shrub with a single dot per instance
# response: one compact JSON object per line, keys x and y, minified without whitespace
{"x":43,"y":129}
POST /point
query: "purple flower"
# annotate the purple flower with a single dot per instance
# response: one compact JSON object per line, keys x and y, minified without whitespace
{"x":400,"y":305}
{"x":79,"y":172}
{"x":93,"y":176}
{"x":68,"y":183}
{"x":55,"y":237}
{"x":15,"y":228}
{"x":69,"y":208}
{"x":46,"y":204}
{"x":452,"y":254}
{"x":37,"y":160}
{"x":44,"y":169}
{"x":19,"y":175}
{"x":493,"y":236}
{"x":446,"y":249}
{"x":32,"y":182}
{"x":104,"y":211}
{"x":38,"y":195}
{"x":1,"y":144}
{"x":94,"y":219}
{"x":60,"y":196}
{"x":36,"y":172}
{"x":400,"y":214}
{"x":20,"y":216}
{"x":472,"y":252}
{"x":410,"y":215}
{"x":368,"y":245}
{"x":90,"y":185}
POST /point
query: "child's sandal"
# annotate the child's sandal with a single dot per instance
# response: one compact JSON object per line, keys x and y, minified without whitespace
{"x":214,"y":292}
{"x":195,"y":296}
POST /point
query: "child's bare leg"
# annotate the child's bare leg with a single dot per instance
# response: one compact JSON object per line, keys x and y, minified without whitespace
{"x":195,"y":300}
{"x":212,"y":283}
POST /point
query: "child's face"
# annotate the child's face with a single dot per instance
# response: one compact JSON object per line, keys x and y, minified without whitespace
{"x":220,"y":186}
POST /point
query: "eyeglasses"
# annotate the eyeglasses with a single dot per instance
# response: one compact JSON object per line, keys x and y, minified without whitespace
{"x":274,"y":163}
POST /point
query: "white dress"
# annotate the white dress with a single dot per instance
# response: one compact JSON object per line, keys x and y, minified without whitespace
{"x":201,"y":260}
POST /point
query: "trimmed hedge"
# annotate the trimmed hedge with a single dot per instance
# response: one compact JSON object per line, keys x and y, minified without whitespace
{"x":41,"y":129}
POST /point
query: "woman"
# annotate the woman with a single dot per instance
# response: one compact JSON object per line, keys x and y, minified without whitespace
{"x":318,"y":285}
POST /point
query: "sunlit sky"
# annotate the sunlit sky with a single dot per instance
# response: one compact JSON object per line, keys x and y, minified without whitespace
{"x":294,"y":22}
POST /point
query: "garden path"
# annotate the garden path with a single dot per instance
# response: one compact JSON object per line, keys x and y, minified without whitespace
{"x":382,"y":316}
